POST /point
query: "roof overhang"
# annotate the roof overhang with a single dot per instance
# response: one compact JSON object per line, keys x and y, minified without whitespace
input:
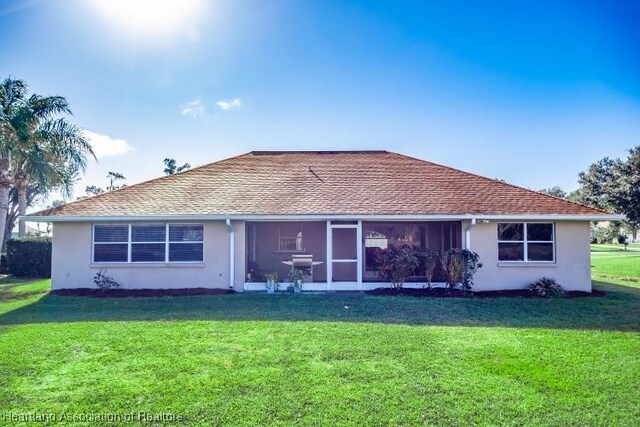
{"x":325,"y":217}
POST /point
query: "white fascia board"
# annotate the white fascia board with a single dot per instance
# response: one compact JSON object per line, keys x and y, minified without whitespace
{"x":353,"y":217}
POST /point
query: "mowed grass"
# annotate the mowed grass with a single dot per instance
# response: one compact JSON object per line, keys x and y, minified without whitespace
{"x":616,"y":264}
{"x":324,"y":359}
{"x":615,"y":247}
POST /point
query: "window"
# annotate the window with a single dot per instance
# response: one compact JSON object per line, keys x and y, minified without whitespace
{"x":111,"y":243}
{"x":148,"y":243}
{"x":185,"y":243}
{"x":526,"y":242}
{"x":290,"y":238}
{"x":138,"y":243}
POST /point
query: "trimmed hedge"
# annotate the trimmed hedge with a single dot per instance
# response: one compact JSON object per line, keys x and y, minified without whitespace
{"x":29,"y":257}
{"x":3,"y":264}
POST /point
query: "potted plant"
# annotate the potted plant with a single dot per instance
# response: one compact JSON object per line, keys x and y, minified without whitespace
{"x":296,"y":277}
{"x":271,"y":282}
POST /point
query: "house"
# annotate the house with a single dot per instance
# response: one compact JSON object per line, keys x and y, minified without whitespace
{"x":228,"y":223}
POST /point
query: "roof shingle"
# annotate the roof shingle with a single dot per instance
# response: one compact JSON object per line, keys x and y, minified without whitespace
{"x":323,"y":183}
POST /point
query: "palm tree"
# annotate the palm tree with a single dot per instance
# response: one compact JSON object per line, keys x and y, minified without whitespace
{"x":38,"y":144}
{"x":51,"y":151}
{"x":12,"y":95}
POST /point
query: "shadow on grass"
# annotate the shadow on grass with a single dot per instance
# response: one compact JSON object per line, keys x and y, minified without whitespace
{"x":617,"y":311}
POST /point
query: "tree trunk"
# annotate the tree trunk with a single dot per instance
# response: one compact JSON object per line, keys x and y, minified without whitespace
{"x":22,"y":185}
{"x":6,"y":181}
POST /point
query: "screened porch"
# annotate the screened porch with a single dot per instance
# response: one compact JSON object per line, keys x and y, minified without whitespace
{"x":338,"y":254}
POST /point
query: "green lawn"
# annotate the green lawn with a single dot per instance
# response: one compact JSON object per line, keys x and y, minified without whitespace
{"x":324,"y":359}
{"x":616,"y":264}
{"x":631,"y":247}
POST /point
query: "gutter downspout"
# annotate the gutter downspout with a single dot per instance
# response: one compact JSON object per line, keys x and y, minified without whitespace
{"x":467,"y":232}
{"x":232,"y":244}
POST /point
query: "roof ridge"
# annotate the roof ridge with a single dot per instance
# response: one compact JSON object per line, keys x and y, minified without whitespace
{"x":279,"y":152}
{"x":499,"y":181}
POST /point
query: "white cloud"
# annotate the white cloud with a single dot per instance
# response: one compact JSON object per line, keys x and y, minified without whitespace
{"x":106,"y":146}
{"x":228,"y":105}
{"x":193,"y":109}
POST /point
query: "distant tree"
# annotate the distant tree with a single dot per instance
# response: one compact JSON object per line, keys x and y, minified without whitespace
{"x":114,"y":178}
{"x":597,"y":184}
{"x":574,"y":196}
{"x":625,"y":190}
{"x":92,"y":190}
{"x":555,"y":192}
{"x":613,"y":185}
{"x":172,"y":168}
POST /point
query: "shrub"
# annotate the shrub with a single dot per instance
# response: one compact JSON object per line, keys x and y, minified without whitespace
{"x":295,"y":277}
{"x":459,"y":266}
{"x":105,"y":282}
{"x":430,"y":261}
{"x":271,"y":281}
{"x":607,"y":234}
{"x":546,"y":288}
{"x":29,"y":256}
{"x":3,"y":264}
{"x":396,"y":263}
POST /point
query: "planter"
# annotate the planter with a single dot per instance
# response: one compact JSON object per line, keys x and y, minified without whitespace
{"x":271,"y":287}
{"x":297,"y":287}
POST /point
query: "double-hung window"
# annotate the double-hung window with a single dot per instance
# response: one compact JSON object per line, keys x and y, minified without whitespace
{"x":526,"y":241}
{"x":185,"y":243}
{"x":148,"y":243}
{"x":111,"y":243}
{"x":140,"y":243}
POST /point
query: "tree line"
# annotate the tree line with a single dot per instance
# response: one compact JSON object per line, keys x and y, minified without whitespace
{"x":612,"y":185}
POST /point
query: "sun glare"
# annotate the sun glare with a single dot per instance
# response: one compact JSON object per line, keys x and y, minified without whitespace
{"x":151,"y":18}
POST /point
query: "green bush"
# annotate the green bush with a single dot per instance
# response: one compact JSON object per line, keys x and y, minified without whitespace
{"x":396,"y":263}
{"x":459,"y":266}
{"x":3,"y":264}
{"x":29,"y":257}
{"x":604,"y":235}
{"x":105,"y":282}
{"x":546,"y":288}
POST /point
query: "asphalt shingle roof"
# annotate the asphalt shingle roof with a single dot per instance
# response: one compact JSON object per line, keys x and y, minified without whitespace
{"x":321,"y":182}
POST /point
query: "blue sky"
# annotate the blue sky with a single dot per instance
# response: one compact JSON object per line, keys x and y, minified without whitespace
{"x":526,"y":91}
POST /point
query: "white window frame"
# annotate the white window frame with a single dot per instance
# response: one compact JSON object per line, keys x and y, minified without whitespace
{"x":132,"y":243}
{"x":94,"y":243}
{"x":169,"y":242}
{"x":289,"y":238}
{"x":526,"y":242}
{"x":129,"y":243}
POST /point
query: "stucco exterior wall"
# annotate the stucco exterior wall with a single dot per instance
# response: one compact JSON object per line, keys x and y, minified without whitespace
{"x":72,"y":266}
{"x":572,"y":267}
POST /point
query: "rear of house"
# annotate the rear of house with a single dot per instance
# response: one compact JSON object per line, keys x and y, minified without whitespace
{"x":230,"y":223}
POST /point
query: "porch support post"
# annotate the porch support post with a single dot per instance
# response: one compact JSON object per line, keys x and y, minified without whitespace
{"x":232,"y":250}
{"x":329,"y":254}
{"x":467,"y":243}
{"x":359,"y":253}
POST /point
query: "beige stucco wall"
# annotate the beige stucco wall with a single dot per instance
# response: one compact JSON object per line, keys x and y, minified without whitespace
{"x":572,"y":268}
{"x":72,"y":266}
